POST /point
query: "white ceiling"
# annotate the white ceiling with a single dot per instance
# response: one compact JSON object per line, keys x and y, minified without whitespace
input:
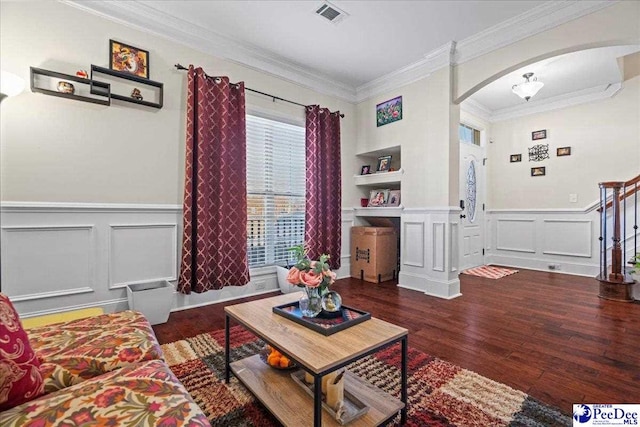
{"x":379,"y":46}
{"x":561,"y":75}
{"x":376,"y":38}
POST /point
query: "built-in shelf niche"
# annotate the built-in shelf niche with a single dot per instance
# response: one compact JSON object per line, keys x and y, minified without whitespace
{"x":379,"y":180}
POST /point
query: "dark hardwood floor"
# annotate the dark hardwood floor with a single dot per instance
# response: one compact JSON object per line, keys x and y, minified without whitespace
{"x":546,"y":334}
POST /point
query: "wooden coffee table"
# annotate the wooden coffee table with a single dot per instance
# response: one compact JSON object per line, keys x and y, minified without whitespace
{"x":318,"y":355}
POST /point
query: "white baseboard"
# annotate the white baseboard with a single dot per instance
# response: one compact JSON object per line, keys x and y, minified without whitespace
{"x":110,"y":306}
{"x":429,"y":285}
{"x":566,"y":267}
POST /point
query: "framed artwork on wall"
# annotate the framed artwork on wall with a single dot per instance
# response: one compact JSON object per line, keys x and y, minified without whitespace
{"x":539,"y":171}
{"x":389,"y":111}
{"x":563,"y":151}
{"x":515,"y":158}
{"x":539,"y":134}
{"x":128,"y":59}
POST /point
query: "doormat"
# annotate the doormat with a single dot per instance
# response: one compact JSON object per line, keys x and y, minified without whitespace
{"x":440,"y":394}
{"x":489,"y":271}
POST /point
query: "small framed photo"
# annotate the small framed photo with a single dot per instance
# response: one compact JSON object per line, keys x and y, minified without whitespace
{"x":384,"y":164}
{"x":378,"y":198}
{"x":394,"y":198}
{"x":563,"y":151}
{"x":365,"y":170}
{"x":515,"y":158}
{"x":539,"y":134}
{"x":539,"y":171}
{"x":128,"y":59}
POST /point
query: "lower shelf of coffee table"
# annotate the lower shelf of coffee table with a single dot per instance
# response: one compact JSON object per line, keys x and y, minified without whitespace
{"x":292,"y":406}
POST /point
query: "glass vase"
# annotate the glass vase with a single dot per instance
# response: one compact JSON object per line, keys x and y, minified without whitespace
{"x":310,"y":302}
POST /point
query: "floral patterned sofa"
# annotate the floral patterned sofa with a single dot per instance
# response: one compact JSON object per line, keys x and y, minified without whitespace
{"x":104,"y":370}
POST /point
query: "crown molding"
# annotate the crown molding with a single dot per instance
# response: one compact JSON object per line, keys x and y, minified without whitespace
{"x":434,"y":60}
{"x":534,"y":107}
{"x":537,"y":20}
{"x":477,"y":109}
{"x":150,"y":20}
{"x":145,"y":18}
{"x":542,"y":18}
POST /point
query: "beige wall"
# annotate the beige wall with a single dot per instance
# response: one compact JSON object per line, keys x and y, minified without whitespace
{"x":429,"y":158}
{"x":59,"y":150}
{"x":604,"y":137}
{"x":614,"y":25}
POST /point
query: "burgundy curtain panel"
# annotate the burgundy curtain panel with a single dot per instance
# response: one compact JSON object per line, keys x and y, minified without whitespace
{"x":323,"y":217}
{"x":214,"y":244}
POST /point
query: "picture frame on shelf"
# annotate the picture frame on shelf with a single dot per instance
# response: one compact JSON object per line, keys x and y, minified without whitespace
{"x":128,"y":59}
{"x":394,"y":198}
{"x":378,"y":198}
{"x":515,"y":158}
{"x":365,"y":170}
{"x":384,"y":164}
{"x":563,"y":151}
{"x":539,"y":134}
{"x":539,"y":171}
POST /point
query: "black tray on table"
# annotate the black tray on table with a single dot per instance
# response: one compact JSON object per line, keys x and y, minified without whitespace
{"x":326,"y":325}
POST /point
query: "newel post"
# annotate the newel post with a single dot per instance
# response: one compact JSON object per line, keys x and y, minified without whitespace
{"x":616,"y":285}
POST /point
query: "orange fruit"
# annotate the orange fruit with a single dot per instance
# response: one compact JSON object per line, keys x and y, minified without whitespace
{"x":273,"y":359}
{"x":284,"y":362}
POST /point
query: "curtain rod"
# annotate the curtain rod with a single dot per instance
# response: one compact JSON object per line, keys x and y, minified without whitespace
{"x":182,"y":67}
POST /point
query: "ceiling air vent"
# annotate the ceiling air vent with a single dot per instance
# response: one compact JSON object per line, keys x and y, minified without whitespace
{"x":331,"y":12}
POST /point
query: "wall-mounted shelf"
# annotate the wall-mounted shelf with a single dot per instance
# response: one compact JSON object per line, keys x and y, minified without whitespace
{"x":374,"y":179}
{"x":395,"y":211}
{"x":130,"y":77}
{"x":96,"y":88}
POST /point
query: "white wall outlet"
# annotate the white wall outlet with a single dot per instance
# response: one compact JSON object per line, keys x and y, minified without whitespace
{"x":260,"y":284}
{"x":573,"y":198}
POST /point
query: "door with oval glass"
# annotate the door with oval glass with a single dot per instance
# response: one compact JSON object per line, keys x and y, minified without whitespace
{"x":472,"y":199}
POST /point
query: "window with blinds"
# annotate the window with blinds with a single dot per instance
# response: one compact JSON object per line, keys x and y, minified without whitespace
{"x":468,"y":134}
{"x":275,"y":190}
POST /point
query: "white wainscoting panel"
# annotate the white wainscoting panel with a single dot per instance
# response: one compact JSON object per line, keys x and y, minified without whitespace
{"x":570,"y":237}
{"x":454,"y":252}
{"x":556,"y":240}
{"x":142,"y":252}
{"x":45,"y":261}
{"x":413,"y":244}
{"x":438,"y":246}
{"x":58,"y":257}
{"x":516,"y":235}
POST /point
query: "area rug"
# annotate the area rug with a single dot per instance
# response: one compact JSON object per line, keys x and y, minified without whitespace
{"x":489,"y":271}
{"x":440,"y":394}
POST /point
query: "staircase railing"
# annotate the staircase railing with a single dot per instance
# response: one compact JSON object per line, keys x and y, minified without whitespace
{"x":617,"y":283}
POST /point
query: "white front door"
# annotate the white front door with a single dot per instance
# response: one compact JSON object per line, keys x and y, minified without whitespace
{"x":472,"y":195}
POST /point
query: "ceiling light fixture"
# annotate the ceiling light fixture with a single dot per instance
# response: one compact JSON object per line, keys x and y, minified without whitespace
{"x":528,"y":88}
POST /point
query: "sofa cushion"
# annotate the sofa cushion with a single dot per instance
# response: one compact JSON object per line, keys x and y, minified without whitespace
{"x":143,"y":394}
{"x":78,"y":350}
{"x":20,"y":377}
